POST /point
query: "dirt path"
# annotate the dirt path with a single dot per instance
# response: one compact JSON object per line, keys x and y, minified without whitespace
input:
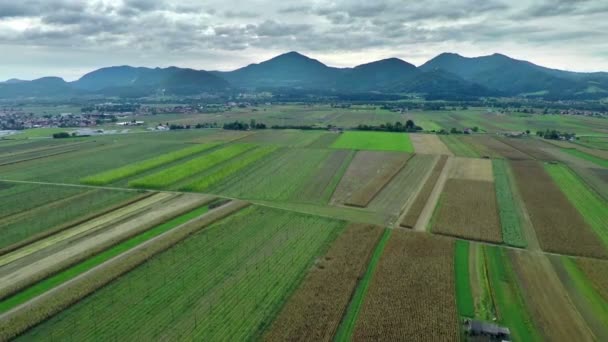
{"x":86,"y":227}
{"x":410,"y":201}
{"x":93,"y":242}
{"x":555,"y":315}
{"x":427,"y":212}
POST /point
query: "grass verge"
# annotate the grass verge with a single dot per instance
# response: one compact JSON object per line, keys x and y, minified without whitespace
{"x":464,"y":297}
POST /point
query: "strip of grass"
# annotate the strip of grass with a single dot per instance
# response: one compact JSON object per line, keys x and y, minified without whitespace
{"x":129,"y":170}
{"x":510,"y":306}
{"x":584,"y":286}
{"x":591,"y":206}
{"x":347,"y":327}
{"x":586,"y":156}
{"x":464,"y":297}
{"x":510,"y":220}
{"x":229,"y":169}
{"x":98,"y":259}
{"x":192,"y":167}
{"x":384,"y":141}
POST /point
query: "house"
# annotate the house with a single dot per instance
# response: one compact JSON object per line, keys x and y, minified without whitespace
{"x":485,"y":330}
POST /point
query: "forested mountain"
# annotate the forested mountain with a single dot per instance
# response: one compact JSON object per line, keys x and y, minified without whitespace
{"x":448,"y":76}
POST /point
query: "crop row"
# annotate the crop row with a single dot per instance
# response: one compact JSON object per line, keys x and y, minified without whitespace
{"x":411,"y":296}
{"x":176,"y":173}
{"x":508,"y":211}
{"x":559,"y":226}
{"x":133,"y":169}
{"x":410,"y":219}
{"x":229,"y":169}
{"x":593,"y":208}
{"x":51,"y":304}
{"x":224,"y":283}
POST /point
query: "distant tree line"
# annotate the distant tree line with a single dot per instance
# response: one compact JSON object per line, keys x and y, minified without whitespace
{"x":409,"y":126}
{"x":243,"y":126}
{"x":555,"y":135}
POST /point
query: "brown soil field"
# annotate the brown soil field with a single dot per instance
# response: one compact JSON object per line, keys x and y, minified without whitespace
{"x":474,"y":142}
{"x":315,"y":310}
{"x":502,"y":149}
{"x":471,"y":169}
{"x":429,"y":144}
{"x":597,"y":272}
{"x":40,"y":265}
{"x":410,"y":219}
{"x":559,"y":227}
{"x":27,"y":315}
{"x":554,"y":314}
{"x":364,"y":168}
{"x":468,"y":209}
{"x":315,"y":188}
{"x":412,"y":294}
{"x":531,"y":147}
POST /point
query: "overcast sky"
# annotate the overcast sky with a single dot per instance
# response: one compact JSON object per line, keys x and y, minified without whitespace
{"x":68,"y":38}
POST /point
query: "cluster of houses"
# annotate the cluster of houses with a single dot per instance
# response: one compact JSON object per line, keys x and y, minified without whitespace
{"x":18,"y":120}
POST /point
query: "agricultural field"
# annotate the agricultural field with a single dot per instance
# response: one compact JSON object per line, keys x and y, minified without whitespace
{"x":222,"y":283}
{"x":559,"y":226}
{"x":285,"y":234}
{"x":382,"y":141}
{"x":412,"y":292}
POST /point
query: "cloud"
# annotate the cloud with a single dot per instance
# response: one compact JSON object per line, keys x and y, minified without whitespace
{"x":177,"y":31}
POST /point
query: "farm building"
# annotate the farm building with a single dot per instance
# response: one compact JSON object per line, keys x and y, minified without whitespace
{"x":484,"y":331}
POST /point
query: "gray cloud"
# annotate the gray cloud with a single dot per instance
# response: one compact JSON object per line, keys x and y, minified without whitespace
{"x":206,"y":34}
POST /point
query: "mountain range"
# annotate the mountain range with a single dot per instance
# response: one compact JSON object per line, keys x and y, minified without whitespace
{"x":448,"y":75}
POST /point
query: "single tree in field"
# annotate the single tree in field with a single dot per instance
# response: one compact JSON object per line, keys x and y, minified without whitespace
{"x":409,"y":125}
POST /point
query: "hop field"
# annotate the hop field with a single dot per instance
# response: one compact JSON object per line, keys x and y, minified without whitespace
{"x":114,"y":175}
{"x":192,"y":167}
{"x":374,"y":141}
{"x":226,"y":282}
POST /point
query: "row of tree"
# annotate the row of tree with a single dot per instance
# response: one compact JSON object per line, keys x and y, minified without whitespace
{"x":555,"y":135}
{"x":409,"y":126}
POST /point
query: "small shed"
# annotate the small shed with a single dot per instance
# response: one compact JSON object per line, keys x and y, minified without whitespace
{"x":491,"y":331}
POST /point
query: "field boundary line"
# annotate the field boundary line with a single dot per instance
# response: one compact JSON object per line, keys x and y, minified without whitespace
{"x":427,"y":212}
{"x":76,"y":222}
{"x":45,"y":306}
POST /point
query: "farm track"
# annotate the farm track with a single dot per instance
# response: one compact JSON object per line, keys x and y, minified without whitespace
{"x":31,"y":313}
{"x":47,"y":265}
{"x":426,"y":214}
{"x":86,"y":227}
{"x":71,"y":224}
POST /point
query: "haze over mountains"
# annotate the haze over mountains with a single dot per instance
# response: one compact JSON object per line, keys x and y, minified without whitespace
{"x":445,"y":76}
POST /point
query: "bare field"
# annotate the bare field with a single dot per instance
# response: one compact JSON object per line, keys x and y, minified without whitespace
{"x":529,"y":146}
{"x":412,"y":293}
{"x":468,"y":209}
{"x":364,"y":168}
{"x":560,"y":228}
{"x":316,"y":309}
{"x":471,"y":169}
{"x":597,"y":272}
{"x":429,"y":144}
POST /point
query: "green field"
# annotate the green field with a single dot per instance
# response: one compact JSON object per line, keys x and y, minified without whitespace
{"x":374,"y":141}
{"x":585,"y":287}
{"x":464,"y":297}
{"x":459,"y":147}
{"x":228,"y":169}
{"x":56,"y":214}
{"x":591,"y":206}
{"x":139,"y":167}
{"x":510,"y":306}
{"x":508,"y":210}
{"x":243,"y":269}
{"x":596,"y":160}
{"x":96,"y":260}
{"x":192,"y":167}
